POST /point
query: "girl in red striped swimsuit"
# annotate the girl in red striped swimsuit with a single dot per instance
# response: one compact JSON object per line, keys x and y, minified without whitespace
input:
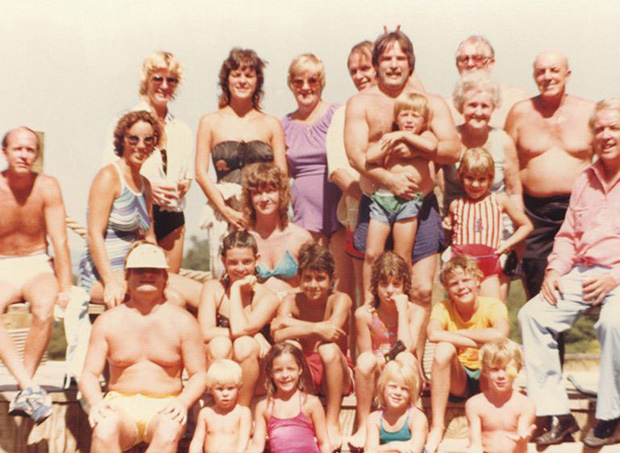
{"x":476,"y":219}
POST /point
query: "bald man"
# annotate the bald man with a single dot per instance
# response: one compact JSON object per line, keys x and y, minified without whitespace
{"x":552,"y":141}
{"x":32,"y":210}
{"x":476,"y":53}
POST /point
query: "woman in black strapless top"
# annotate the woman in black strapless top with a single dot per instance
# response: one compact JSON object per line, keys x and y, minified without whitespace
{"x":239,"y":133}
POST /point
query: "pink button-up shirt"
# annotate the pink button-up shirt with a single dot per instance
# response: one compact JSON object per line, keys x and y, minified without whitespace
{"x":590,"y":233}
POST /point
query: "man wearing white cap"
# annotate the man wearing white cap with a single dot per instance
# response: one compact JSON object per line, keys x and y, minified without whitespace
{"x":148,"y":342}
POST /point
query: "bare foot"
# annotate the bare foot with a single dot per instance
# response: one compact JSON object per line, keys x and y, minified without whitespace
{"x":358,"y":440}
{"x":335,"y":437}
{"x":435,"y":436}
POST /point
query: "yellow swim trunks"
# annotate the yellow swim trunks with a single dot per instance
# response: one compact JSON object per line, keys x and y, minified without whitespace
{"x":142,"y":408}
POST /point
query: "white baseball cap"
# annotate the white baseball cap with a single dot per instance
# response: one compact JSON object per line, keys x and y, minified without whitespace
{"x":146,"y":256}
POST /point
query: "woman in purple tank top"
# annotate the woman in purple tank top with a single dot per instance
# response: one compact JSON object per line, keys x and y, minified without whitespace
{"x":315,"y":200}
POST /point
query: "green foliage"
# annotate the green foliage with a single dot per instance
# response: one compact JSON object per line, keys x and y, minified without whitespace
{"x":197,"y":257}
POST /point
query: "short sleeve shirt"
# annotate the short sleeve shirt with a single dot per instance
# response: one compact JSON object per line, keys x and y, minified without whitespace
{"x":489,"y":311}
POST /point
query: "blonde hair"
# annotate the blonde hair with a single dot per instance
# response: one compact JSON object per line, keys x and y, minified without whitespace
{"x":224,"y":371}
{"x":307,"y":62}
{"x":605,"y":104}
{"x":476,"y":81}
{"x":476,"y":161}
{"x":501,"y":354}
{"x":365,"y":48}
{"x":156,"y":62}
{"x":464,"y":263}
{"x":412,"y":101}
{"x":398,"y":370}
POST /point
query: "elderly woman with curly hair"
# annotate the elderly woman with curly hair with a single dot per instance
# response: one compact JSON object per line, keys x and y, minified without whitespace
{"x":476,"y":97}
{"x":266,"y":197}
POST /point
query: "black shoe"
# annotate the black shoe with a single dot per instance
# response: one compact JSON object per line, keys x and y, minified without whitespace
{"x":562,"y":427}
{"x":602,"y":433}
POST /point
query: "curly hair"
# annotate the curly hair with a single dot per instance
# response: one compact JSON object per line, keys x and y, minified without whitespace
{"x":389,"y":265}
{"x":241,"y":59}
{"x":476,"y":81}
{"x":260,"y":176}
{"x":276,"y":351}
{"x":127,"y":121}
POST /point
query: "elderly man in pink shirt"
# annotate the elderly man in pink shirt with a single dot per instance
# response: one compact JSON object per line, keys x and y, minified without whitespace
{"x":583,"y":271}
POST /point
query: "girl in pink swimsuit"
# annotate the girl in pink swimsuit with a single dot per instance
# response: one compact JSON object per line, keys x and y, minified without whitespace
{"x":293,"y":420}
{"x":388,"y":328}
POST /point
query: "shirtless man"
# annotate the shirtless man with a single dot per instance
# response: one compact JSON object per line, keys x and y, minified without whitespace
{"x":369,"y":115}
{"x":147,"y":342}
{"x":476,"y":54}
{"x":552,"y":140}
{"x":32,"y":209}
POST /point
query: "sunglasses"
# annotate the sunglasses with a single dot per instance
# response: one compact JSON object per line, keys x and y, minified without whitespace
{"x":160,"y":79}
{"x":135,"y":139}
{"x":299,"y":83}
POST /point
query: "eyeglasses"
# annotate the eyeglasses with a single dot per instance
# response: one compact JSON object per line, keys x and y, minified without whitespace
{"x":476,"y":59}
{"x":160,"y":79}
{"x":149,"y":140}
{"x":299,"y":83}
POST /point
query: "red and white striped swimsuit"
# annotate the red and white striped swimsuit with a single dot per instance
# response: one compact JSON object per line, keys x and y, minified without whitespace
{"x":477,"y":222}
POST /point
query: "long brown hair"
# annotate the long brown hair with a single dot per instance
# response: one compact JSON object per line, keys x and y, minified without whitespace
{"x":276,"y":351}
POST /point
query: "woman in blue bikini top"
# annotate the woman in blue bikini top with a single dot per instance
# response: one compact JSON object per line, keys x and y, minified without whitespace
{"x":265,"y":200}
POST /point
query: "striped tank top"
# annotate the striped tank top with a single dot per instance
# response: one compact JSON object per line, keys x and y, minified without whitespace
{"x":477,"y":222}
{"x":129,"y":220}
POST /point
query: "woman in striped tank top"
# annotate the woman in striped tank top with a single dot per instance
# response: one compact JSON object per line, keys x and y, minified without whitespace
{"x":120,"y":213}
{"x":476,"y":219}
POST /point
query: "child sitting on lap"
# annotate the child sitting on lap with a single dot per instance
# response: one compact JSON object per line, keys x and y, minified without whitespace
{"x":225,"y":426}
{"x":500,"y":419}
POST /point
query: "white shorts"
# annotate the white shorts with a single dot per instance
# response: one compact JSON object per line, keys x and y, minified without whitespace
{"x":18,"y":270}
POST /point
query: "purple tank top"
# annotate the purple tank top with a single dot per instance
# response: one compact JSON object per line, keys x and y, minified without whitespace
{"x":315,"y":200}
{"x":291,"y":435}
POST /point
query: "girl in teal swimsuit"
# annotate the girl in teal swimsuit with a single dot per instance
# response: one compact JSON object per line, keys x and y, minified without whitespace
{"x":399,"y":425}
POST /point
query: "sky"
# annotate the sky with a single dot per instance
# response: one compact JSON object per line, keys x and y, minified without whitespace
{"x":69,"y":67}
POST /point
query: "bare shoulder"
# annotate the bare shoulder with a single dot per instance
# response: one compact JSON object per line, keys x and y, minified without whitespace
{"x":524,"y":401}
{"x":418,"y":418}
{"x":261,"y":407}
{"x":270,"y":121}
{"x":213,"y":286}
{"x":209,"y":119}
{"x":337,"y":298}
{"x":177,"y":316}
{"x":107,"y":320}
{"x":580,"y":102}
{"x":364,"y":312}
{"x":373,"y":418}
{"x":363,"y":99}
{"x":474,"y":403}
{"x":312,"y":403}
{"x":46,"y":182}
{"x":522,"y":108}
{"x":108,"y":175}
{"x":298,"y":234}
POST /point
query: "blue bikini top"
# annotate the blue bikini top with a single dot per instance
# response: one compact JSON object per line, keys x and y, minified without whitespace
{"x":285,"y":270}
